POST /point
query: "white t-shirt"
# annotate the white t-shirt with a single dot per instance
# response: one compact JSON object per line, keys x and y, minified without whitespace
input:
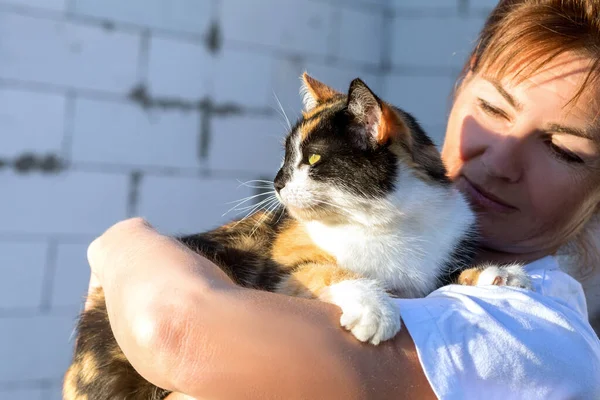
{"x":493,"y":342}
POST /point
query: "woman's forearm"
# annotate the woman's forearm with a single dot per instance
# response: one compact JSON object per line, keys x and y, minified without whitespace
{"x":187,"y":328}
{"x":148,"y":281}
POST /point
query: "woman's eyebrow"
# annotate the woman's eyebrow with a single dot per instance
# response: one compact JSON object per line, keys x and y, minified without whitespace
{"x":507,"y":96}
{"x":558,"y":128}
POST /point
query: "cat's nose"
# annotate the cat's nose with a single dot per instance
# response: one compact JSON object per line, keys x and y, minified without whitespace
{"x":279,"y":184}
{"x":279,"y":181}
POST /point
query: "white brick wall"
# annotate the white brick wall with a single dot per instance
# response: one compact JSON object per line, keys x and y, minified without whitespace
{"x":58,"y":5}
{"x":71,"y":275}
{"x":157,"y":108}
{"x":181,"y":205}
{"x":242,"y":143}
{"x":37,"y":346}
{"x":67,"y":54}
{"x":42,"y":134}
{"x":434,"y":48}
{"x":22,"y":267}
{"x":135,"y":137}
{"x":294,"y":26}
{"x":179,"y":68}
{"x":67,"y":203}
{"x":361,"y":36}
{"x":175,"y":15}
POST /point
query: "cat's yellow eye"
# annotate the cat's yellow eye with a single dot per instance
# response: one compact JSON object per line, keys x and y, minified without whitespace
{"x":313,"y":159}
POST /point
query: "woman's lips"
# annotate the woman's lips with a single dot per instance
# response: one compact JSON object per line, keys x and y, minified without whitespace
{"x":482,"y":199}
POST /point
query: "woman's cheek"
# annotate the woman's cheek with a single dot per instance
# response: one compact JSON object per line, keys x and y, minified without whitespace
{"x":451,"y":151}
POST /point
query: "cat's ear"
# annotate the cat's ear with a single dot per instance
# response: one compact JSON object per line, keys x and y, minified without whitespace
{"x":381,"y":123}
{"x":315,"y":92}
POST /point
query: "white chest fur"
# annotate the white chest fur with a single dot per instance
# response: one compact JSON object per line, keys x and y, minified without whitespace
{"x":407,"y":254}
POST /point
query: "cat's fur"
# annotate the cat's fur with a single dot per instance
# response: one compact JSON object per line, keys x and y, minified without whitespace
{"x":373,"y":217}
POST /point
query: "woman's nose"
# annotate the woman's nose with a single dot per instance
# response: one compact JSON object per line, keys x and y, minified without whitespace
{"x":501,"y":159}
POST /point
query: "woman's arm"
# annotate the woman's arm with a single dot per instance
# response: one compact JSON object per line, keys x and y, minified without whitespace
{"x":186,"y":327}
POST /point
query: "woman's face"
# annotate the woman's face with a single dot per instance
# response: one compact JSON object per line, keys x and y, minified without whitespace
{"x":527,"y":161}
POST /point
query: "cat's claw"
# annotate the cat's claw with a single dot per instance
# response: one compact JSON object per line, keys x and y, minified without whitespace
{"x":367,"y":310}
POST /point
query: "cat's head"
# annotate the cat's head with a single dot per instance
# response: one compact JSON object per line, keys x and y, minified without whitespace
{"x":346,"y":159}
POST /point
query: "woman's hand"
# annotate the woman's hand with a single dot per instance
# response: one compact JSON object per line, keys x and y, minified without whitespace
{"x":186,"y":327}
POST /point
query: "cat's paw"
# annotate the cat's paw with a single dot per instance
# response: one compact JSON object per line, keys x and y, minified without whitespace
{"x":513,"y":275}
{"x":367,"y":310}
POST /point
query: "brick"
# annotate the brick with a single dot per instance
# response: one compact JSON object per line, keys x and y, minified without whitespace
{"x":136,"y":137}
{"x":298,"y":26}
{"x":339,"y":77}
{"x":428,"y":99}
{"x":64,"y":53}
{"x":72,"y":275}
{"x":22,"y":133}
{"x":434,"y":42}
{"x":176,"y":15}
{"x":361,"y":36}
{"x":68,"y":203}
{"x":427,"y":4}
{"x":486,"y":5}
{"x":37,"y":347}
{"x":57,"y":5}
{"x":251,"y":144}
{"x":22,"y":268}
{"x":243,"y":77}
{"x":360,"y":3}
{"x":180,"y":205}
{"x":23,"y":394}
{"x":179,"y":69}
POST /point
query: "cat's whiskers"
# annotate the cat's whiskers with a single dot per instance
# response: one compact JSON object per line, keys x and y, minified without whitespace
{"x":283,"y":114}
{"x":267,"y":214}
{"x":264,"y":184}
{"x":280,"y":215}
{"x":255,"y":208}
{"x":245,"y":200}
{"x":260,"y":180}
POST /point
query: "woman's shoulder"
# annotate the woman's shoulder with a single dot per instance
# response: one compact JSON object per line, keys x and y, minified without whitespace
{"x":537,"y":343}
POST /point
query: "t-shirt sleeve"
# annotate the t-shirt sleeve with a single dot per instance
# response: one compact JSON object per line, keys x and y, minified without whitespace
{"x":502,"y":343}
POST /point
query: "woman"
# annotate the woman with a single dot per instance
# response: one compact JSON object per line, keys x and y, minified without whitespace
{"x":523,"y":143}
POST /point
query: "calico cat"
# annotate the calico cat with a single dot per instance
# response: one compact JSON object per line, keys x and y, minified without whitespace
{"x":369,"y":213}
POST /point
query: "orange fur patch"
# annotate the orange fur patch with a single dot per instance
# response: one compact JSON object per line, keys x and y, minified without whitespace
{"x":391,"y":126}
{"x":307,"y":127}
{"x":469,"y":276}
{"x":311,"y":279}
{"x":318,"y":90}
{"x":293,"y":246}
{"x":316,"y":110}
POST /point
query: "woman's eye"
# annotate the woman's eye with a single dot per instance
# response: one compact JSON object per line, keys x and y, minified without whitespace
{"x":491,"y":110}
{"x":313,"y":159}
{"x":564,"y":155}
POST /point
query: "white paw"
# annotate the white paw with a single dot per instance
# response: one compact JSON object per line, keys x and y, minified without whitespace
{"x":367,"y":310}
{"x":508,"y":275}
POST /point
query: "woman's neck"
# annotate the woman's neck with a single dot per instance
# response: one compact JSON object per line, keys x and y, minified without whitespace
{"x":486,"y":254}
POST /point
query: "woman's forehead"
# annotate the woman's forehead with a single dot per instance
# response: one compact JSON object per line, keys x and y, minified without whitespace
{"x":562,"y":87}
